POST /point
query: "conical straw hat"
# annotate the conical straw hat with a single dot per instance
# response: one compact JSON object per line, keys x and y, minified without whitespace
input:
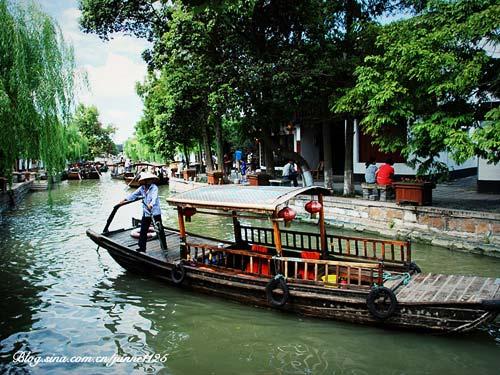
{"x":145,"y":176}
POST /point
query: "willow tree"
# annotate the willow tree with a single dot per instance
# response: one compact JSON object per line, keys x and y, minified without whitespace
{"x":36,"y":86}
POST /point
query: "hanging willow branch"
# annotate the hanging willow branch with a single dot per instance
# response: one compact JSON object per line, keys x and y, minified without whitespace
{"x":36,"y":87}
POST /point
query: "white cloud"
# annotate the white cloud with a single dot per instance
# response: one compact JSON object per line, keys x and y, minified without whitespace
{"x":113,"y":67}
{"x":116,"y":78}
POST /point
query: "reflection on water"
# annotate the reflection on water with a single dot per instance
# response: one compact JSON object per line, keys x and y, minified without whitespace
{"x":62,"y":297}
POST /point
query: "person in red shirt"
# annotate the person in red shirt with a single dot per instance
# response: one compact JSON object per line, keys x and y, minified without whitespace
{"x":385,"y":174}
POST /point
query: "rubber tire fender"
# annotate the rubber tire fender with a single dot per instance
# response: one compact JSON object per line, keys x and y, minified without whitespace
{"x":178,"y":274}
{"x":277,"y":283}
{"x":414,"y":267}
{"x":383,"y":292}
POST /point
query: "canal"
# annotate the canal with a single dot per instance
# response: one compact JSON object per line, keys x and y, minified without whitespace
{"x":62,"y":297}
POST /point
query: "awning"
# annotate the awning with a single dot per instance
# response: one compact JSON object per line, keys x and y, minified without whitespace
{"x":260,"y":199}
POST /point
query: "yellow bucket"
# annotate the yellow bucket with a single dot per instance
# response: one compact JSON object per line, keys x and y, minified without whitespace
{"x":330,"y":279}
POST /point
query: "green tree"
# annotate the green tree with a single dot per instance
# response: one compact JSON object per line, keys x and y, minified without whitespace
{"x":36,"y":87}
{"x":433,"y":74}
{"x":76,"y":144}
{"x":86,"y":119}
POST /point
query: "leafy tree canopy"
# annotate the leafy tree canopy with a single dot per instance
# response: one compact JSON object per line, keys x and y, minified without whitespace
{"x":434,"y":74}
{"x":86,"y":120}
{"x":36,"y":87}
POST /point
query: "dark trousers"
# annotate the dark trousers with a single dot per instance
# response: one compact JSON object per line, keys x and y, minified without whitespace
{"x":292,"y":177}
{"x":145,"y":223}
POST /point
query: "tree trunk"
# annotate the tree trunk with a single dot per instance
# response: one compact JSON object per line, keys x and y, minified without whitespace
{"x":327,"y":155}
{"x":206,"y":148}
{"x":219,"y":143}
{"x":186,"y":155}
{"x":269,"y":145}
{"x":269,"y":159}
{"x":348,"y":163}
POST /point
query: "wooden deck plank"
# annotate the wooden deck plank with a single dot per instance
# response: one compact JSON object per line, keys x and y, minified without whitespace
{"x":411,"y":286}
{"x":430,"y":289}
{"x":417,"y":291}
{"x":472,"y":279}
{"x":475,"y":296}
{"x":442,"y":288}
{"x":458,"y":285}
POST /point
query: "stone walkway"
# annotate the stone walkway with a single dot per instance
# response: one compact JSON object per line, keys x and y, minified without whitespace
{"x":456,"y":194}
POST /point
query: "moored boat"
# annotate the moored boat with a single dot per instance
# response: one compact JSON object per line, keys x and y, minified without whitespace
{"x":74,"y":174}
{"x":360,"y":280}
{"x":132,"y":178}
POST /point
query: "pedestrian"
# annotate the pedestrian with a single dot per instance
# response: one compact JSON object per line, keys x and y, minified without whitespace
{"x":371,"y":170}
{"x":290,"y":173}
{"x":385,"y":174}
{"x":148,"y":191}
{"x":227,"y":164}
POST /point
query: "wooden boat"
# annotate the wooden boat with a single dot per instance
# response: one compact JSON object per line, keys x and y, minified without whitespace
{"x":360,"y":280}
{"x":74,"y":174}
{"x":132,"y":179}
{"x":91,"y":171}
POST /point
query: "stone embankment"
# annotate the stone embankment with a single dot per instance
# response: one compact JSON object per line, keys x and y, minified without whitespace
{"x":13,"y":196}
{"x":469,"y":231}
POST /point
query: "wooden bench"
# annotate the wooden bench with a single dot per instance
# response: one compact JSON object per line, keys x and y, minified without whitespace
{"x":377,"y":192}
{"x":280,"y":182}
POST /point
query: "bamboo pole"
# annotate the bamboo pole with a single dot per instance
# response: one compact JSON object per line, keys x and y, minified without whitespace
{"x":322,"y":230}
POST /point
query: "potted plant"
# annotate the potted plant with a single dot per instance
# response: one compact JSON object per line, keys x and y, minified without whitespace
{"x":215,"y":178}
{"x":415,"y":191}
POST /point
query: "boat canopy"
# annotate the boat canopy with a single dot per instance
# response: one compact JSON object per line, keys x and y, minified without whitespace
{"x":259,"y":199}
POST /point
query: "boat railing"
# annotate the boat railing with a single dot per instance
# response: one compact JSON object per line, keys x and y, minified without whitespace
{"x":398,"y":252}
{"x":231,"y":258}
{"x":344,"y":273}
{"x":303,"y":270}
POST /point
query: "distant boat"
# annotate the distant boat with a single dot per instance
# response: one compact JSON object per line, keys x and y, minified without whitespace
{"x":90,"y":171}
{"x":132,"y":179}
{"x":74,"y":174}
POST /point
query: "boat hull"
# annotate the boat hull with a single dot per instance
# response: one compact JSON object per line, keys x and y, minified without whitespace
{"x":340,"y":304}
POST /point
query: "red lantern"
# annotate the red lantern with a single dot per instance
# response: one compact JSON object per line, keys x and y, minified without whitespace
{"x":313,"y":207}
{"x":188,"y":212}
{"x":287,"y":214}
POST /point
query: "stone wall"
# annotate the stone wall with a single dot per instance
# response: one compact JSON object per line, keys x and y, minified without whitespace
{"x":471,"y":231}
{"x":12,"y":197}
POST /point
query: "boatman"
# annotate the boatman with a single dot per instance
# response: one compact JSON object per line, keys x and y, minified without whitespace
{"x":148,"y":191}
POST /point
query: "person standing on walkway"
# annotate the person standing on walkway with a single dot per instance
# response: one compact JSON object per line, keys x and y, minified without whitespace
{"x":290,"y":173}
{"x":371,"y":170}
{"x":148,"y":191}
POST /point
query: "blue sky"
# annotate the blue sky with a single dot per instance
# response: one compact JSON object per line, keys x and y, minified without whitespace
{"x":113,"y":67}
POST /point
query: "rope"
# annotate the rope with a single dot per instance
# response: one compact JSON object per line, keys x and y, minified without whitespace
{"x":405,"y":276}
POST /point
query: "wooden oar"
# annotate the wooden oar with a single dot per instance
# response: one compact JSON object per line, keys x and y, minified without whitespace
{"x":135,"y":177}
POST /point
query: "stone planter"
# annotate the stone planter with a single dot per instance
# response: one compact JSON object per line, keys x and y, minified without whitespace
{"x":215,"y":178}
{"x":189,"y":174}
{"x":260,"y":179}
{"x":419,"y":193}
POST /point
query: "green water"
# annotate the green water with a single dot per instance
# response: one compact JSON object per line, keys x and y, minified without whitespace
{"x":61,"y":297}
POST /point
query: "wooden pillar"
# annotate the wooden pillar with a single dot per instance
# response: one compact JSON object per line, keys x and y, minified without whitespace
{"x":322,"y":230}
{"x":277,"y":243}
{"x":182,"y":233}
{"x":237,"y":228}
{"x":277,"y":236}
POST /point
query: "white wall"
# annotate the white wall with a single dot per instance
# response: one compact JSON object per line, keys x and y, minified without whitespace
{"x":488,"y":172}
{"x":403,"y":169}
{"x":309,"y":150}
